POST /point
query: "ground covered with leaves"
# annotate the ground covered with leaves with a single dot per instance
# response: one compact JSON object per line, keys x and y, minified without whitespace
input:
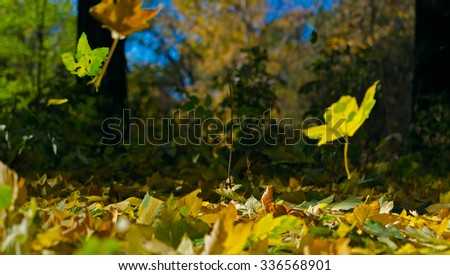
{"x":60,"y":216}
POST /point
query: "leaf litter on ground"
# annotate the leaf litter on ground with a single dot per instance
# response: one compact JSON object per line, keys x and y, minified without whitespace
{"x":71,"y":218}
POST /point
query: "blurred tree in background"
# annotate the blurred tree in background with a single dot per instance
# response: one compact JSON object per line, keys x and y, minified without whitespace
{"x":431,"y":98}
{"x":291,"y":57}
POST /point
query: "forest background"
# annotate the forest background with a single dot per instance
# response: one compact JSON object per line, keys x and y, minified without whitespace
{"x":294,"y":58}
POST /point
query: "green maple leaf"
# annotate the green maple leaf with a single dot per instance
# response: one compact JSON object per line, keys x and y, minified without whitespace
{"x":86,"y":61}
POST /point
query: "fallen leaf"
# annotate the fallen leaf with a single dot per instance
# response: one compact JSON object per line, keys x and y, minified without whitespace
{"x":231,"y":194}
{"x":16,"y":194}
{"x":267,"y":198}
{"x":445,"y":197}
{"x":186,"y":247}
{"x":437,"y":207}
{"x":271,"y":227}
{"x":148,"y":210}
{"x":192,"y":202}
{"x":47,"y":239}
{"x":225,"y":238}
{"x":328,"y":247}
{"x":385,"y":219}
{"x":364,"y":211}
{"x":440,"y":228}
{"x":347,"y":204}
{"x":270,"y":206}
{"x":444,"y":213}
{"x":169,"y":225}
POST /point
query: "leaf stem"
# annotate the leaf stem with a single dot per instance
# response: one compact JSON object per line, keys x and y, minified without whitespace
{"x":346,"y":160}
{"x":230,"y":156}
{"x":97,"y":81}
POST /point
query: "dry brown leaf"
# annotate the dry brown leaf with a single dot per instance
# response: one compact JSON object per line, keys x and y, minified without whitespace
{"x":267,"y":198}
{"x":123,"y":17}
{"x":270,"y":206}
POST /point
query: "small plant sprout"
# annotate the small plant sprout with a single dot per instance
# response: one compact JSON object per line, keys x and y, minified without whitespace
{"x":342,"y":119}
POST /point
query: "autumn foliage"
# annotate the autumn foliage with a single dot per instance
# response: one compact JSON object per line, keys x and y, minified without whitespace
{"x":62,"y":191}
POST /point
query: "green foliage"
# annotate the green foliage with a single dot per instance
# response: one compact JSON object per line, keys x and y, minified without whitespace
{"x":86,"y":61}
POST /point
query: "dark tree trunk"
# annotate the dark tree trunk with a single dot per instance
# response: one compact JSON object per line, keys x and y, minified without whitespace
{"x":113,"y":89}
{"x":431,"y":84}
{"x":432,"y":53}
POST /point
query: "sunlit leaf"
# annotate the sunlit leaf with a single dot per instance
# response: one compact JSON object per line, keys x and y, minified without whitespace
{"x":343,"y":118}
{"x":271,"y":227}
{"x":440,"y":228}
{"x":86,"y":62}
{"x":123,"y":17}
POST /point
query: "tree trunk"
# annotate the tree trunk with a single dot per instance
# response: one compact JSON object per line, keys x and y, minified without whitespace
{"x":431,"y":83}
{"x":432,"y":53}
{"x":113,"y":89}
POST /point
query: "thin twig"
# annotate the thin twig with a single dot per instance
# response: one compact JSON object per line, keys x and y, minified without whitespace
{"x":346,"y":160}
{"x":230,"y":156}
{"x":97,"y":81}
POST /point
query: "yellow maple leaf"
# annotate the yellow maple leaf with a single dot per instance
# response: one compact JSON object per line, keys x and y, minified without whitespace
{"x":123,"y":17}
{"x":343,"y":117}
